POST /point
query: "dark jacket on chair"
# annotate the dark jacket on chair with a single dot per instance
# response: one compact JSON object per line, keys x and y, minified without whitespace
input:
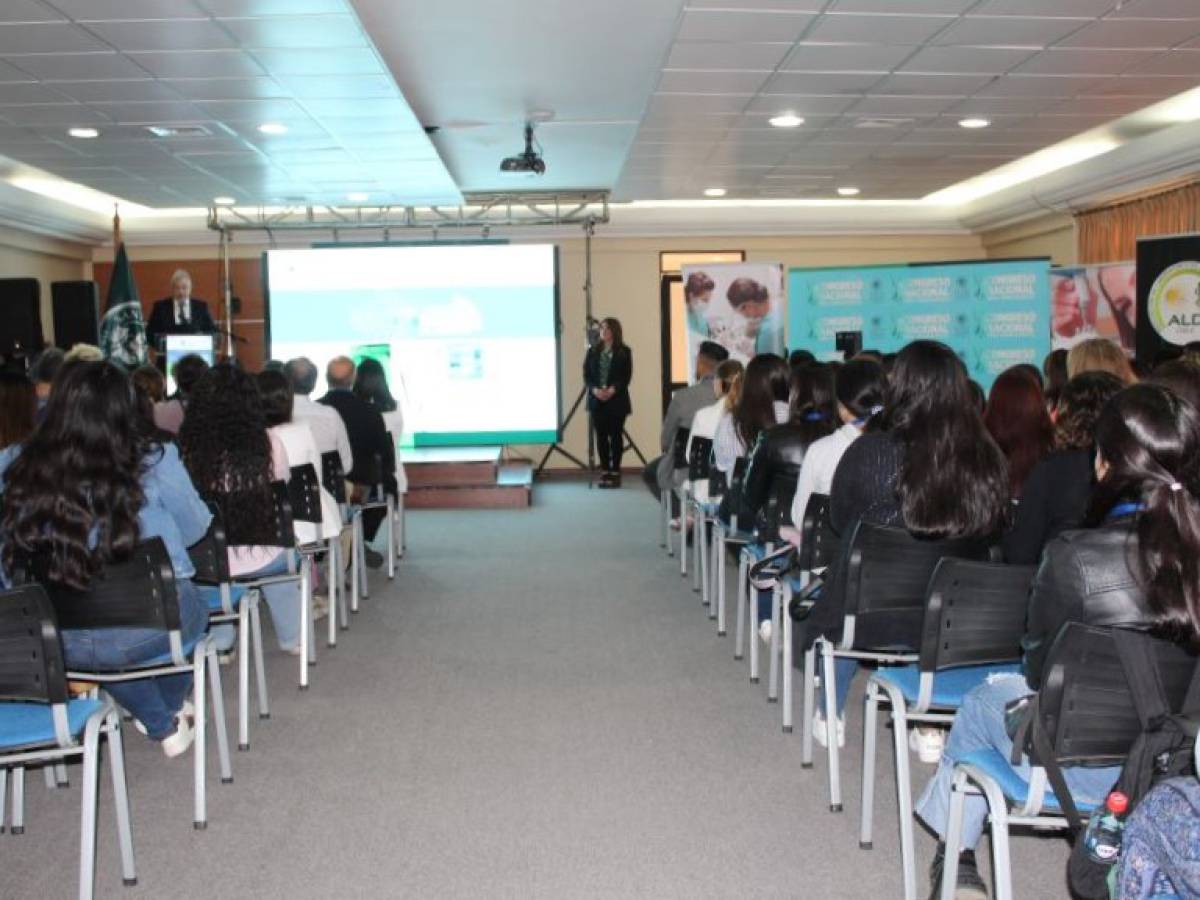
{"x":620,"y":371}
{"x":366,"y":431}
{"x":772,"y":469}
{"x":1084,"y":577}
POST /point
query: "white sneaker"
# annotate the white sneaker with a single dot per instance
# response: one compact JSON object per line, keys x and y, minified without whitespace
{"x":188,"y":711}
{"x":320,"y":603}
{"x":764,"y":631}
{"x":927,"y":743}
{"x":178,"y":741}
{"x":821,"y":730}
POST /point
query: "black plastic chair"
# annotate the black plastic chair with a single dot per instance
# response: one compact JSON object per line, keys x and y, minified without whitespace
{"x":679,"y":463}
{"x":1087,"y":715}
{"x":304,"y":495}
{"x":974,"y":619}
{"x":333,"y":476}
{"x":141,"y":593}
{"x":699,"y":466}
{"x":43,"y":725}
{"x":883,"y":573}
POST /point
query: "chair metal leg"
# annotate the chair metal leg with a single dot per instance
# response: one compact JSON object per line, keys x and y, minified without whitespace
{"x":683,"y":549}
{"x":788,"y":674}
{"x":741,"y":607}
{"x":260,"y":672}
{"x":218,"y":710}
{"x":1001,"y":860}
{"x":116,"y":765}
{"x":722,"y":582}
{"x":49,"y":776}
{"x":199,"y":700}
{"x":306,"y":641}
{"x":88,"y":799}
{"x":18,"y":801}
{"x":867,"y":808}
{"x":808,"y":693}
{"x":698,"y":554}
{"x":958,"y":788}
{"x":335,"y":596}
{"x":776,"y":628}
{"x":827,"y":683}
{"x":307,"y":586}
{"x":711,"y":551}
{"x":364,"y":589}
{"x":3,"y":800}
{"x":400,"y":536}
{"x":244,"y":675}
{"x":704,"y":577}
{"x":355,"y":563}
{"x":60,"y":776}
{"x":750,"y":605}
{"x":391,"y":538}
{"x":664,"y":521}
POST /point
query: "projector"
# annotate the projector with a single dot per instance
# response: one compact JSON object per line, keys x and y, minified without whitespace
{"x":529,"y":160}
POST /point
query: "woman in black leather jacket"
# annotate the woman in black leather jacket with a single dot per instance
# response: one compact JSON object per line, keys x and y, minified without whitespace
{"x":1136,"y":566}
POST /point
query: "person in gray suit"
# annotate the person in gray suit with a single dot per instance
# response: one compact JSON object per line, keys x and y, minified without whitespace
{"x":686,"y":402}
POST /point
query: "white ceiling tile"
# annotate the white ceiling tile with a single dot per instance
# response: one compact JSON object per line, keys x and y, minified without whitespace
{"x":1039,"y":86}
{"x":356,"y":87}
{"x":966,"y":60}
{"x":701,"y":82}
{"x":1150,"y":87}
{"x":68,"y":115}
{"x":260,"y":87}
{"x":21,"y":94}
{"x":818,"y":83}
{"x":877,"y":29}
{"x":1084,"y":61}
{"x":1087,"y":8}
{"x":919,"y":7}
{"x":179,"y":34}
{"x":809,"y":57}
{"x":51,"y":37}
{"x":297,"y":32}
{"x":115,"y":10}
{"x":1150,"y":33}
{"x":1008,"y":31}
{"x":9,"y":72}
{"x":347,"y":61}
{"x":1000,"y":107}
{"x":386,"y":110}
{"x":1113,"y":107}
{"x":1173,"y":62}
{"x":117,"y":91}
{"x":274,"y":7}
{"x":942,"y":85}
{"x":717,"y":55}
{"x":150,"y":113}
{"x":741,"y":25}
{"x":256,"y":111}
{"x":881,"y":105}
{"x":78,"y":66}
{"x":696,"y":103}
{"x":199,"y":64}
{"x":1158,"y":9}
{"x":27,"y":11}
{"x":800,"y":104}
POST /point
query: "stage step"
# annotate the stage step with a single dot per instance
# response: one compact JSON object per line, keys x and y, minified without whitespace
{"x":452,"y":486}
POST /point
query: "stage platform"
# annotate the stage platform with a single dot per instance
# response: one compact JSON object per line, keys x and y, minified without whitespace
{"x":466,"y":478}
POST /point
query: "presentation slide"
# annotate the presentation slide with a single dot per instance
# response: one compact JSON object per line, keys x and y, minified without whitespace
{"x":466,"y":333}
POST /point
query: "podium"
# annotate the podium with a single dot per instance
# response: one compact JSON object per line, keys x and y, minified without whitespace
{"x":177,"y":346}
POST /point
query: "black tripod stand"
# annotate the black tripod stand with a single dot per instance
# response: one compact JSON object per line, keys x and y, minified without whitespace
{"x":590,"y":465}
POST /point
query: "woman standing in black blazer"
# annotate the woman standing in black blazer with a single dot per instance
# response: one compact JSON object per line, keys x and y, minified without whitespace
{"x":606,"y":372}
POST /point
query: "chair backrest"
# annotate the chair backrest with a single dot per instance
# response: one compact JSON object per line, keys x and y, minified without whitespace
{"x":777,"y":509}
{"x":974,"y":614}
{"x":818,"y":542}
{"x":887,"y":571}
{"x":1086,"y":707}
{"x":333,"y":476}
{"x":210,"y":555}
{"x":137,"y":593}
{"x":679,"y":447}
{"x":700,"y":459}
{"x":283,"y":532}
{"x":304,"y":494}
{"x":31,"y":658}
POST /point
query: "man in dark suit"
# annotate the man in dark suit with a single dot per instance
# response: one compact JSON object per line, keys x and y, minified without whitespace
{"x":368,"y":442}
{"x":178,"y":314}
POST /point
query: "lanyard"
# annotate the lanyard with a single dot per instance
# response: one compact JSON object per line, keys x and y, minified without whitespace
{"x":1124,"y":509}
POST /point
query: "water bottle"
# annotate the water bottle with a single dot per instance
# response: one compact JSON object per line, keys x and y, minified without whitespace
{"x":1102,"y":840}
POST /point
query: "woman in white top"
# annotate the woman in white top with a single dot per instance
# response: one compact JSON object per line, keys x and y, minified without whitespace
{"x":859,"y":386}
{"x":727,"y":386}
{"x":761,"y":403}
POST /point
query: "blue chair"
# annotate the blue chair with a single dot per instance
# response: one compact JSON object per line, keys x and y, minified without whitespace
{"x":974,"y":620}
{"x":40,"y":724}
{"x":1085,"y":714}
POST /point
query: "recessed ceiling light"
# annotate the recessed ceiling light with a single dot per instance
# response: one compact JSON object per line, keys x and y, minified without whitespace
{"x":786,"y":120}
{"x":272,"y":128}
{"x":714,"y":192}
{"x":974,"y":123}
{"x":848,"y":191}
{"x":83,"y":133}
{"x":224,"y":201}
{"x":358,"y":197}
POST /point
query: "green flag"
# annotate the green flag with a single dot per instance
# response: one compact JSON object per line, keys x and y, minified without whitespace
{"x":122,"y":331}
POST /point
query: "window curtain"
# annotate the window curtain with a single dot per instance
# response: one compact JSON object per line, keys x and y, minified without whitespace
{"x":1109,"y":233}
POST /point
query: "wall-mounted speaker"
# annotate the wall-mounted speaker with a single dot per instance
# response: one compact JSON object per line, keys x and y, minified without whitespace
{"x":76,"y":313}
{"x":20,"y":316}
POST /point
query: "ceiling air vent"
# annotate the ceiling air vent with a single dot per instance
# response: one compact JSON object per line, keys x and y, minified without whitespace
{"x":882,"y":122}
{"x":178,"y":131}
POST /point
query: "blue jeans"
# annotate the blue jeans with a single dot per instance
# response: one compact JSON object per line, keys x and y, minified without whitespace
{"x":844,"y":671}
{"x":979,"y":725}
{"x":152,"y":701}
{"x":284,"y":601}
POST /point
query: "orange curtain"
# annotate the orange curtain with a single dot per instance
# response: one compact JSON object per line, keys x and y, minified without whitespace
{"x":1109,"y":233}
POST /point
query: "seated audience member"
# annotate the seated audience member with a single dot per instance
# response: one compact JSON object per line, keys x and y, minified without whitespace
{"x":368,"y":440}
{"x":18,"y":406}
{"x":659,"y":473}
{"x":84,"y":353}
{"x":727,"y":387}
{"x":926,"y":464}
{"x":1017,"y":420}
{"x":978,"y":397}
{"x":42,"y":372}
{"x":81,"y":521}
{"x":1033,"y":372}
{"x":371,"y":385}
{"x":326,"y":425}
{"x":1059,"y":487}
{"x":800,"y":358}
{"x":1099,"y":355}
{"x":169,"y":413}
{"x":296,"y":437}
{"x":233,"y":459}
{"x":761,"y":403}
{"x":1182,"y":376}
{"x":1160,"y":847}
{"x":151,"y":388}
{"x":1054,"y":368}
{"x":1134,"y":566}
{"x":858,"y":387}
{"x":774,"y":461}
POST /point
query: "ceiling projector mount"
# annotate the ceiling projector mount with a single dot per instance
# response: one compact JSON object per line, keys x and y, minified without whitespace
{"x":529,"y":160}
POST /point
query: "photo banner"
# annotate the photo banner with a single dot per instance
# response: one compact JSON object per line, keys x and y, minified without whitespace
{"x":1098,"y":301}
{"x":741,"y":306}
{"x":993,"y":314}
{"x":1168,"y":296}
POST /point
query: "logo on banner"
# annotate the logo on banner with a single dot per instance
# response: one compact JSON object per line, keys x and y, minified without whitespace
{"x":1174,"y":303}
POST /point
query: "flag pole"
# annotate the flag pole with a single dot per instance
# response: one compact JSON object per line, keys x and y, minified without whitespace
{"x":116,"y":227}
{"x":227,"y":294}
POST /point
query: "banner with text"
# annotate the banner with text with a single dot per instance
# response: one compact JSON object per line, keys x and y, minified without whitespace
{"x":741,"y":306}
{"x":993,"y":314}
{"x":1168,"y":296}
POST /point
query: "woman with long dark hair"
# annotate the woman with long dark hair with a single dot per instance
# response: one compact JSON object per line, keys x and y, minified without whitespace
{"x":18,"y":406}
{"x":371,"y":385}
{"x":1136,"y":565}
{"x":233,"y":459}
{"x":1058,"y":488}
{"x":84,"y":489}
{"x":927,"y":464}
{"x":761,"y":403}
{"x":607,"y":371}
{"x":1018,"y":422}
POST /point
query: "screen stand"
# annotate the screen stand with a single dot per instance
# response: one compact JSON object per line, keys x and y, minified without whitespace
{"x":590,"y":465}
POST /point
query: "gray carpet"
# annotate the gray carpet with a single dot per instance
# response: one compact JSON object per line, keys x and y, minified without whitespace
{"x":536,"y":707}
